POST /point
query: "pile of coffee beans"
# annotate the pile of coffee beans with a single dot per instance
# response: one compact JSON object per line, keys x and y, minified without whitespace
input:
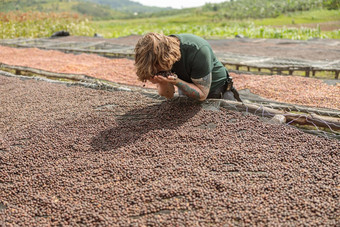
{"x":78,"y":156}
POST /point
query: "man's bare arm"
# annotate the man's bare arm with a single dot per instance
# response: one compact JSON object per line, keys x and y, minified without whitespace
{"x":199,"y":89}
{"x":167,"y":90}
{"x":204,"y":85}
{"x":164,"y":88}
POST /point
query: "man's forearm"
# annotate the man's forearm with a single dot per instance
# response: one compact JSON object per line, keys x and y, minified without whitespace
{"x":167,"y":90}
{"x":189,"y":90}
{"x":166,"y":87}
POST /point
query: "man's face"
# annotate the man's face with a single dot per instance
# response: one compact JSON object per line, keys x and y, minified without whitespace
{"x":162,"y":71}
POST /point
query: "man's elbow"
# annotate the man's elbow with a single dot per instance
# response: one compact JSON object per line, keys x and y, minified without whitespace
{"x":203,"y":97}
{"x":166,"y":94}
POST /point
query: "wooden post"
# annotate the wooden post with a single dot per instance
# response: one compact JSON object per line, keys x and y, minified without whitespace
{"x":307,"y":73}
{"x":337,"y":74}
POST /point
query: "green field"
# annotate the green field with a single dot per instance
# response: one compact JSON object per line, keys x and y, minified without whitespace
{"x":38,"y":24}
{"x":304,"y":17}
{"x":283,"y":19}
{"x":206,"y":25}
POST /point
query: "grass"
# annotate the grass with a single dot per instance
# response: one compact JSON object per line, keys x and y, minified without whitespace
{"x":60,"y":7}
{"x":38,"y":24}
{"x":205,"y":24}
{"x":208,"y":26}
{"x":307,"y":17}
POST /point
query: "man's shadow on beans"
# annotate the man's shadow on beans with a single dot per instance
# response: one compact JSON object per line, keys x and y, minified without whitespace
{"x":135,"y":123}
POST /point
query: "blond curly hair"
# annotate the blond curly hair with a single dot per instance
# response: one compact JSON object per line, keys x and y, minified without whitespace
{"x":154,"y":51}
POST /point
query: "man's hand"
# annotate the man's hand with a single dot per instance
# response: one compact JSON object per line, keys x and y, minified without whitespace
{"x":163,"y":80}
{"x":165,"y":85}
{"x":198,"y":90}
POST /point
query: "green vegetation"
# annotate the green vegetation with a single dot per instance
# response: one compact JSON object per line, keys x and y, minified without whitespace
{"x":254,"y":9}
{"x":209,"y":27}
{"x":305,"y":17}
{"x":128,"y":6}
{"x":243,"y":9}
{"x":37,"y":24}
{"x":96,"y":11}
{"x":331,"y":4}
{"x":249,"y":18}
{"x":91,"y":10}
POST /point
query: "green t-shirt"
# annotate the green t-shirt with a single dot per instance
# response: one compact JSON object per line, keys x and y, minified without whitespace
{"x":198,"y":60}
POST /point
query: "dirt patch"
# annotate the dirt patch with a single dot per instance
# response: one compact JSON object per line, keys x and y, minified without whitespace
{"x":77,"y":156}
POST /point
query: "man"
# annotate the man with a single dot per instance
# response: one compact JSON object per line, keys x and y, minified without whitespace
{"x":185,"y":61}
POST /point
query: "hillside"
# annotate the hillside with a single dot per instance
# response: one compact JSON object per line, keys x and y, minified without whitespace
{"x":244,"y":9}
{"x":253,"y":9}
{"x":128,"y":6}
{"x":113,"y":9}
{"x":300,"y":19}
{"x":97,"y":9}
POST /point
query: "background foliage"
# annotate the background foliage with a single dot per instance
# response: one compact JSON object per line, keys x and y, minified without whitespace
{"x":292,"y":19}
{"x":39,"y":24}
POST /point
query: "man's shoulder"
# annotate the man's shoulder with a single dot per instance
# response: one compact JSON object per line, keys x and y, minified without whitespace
{"x":192,"y":40}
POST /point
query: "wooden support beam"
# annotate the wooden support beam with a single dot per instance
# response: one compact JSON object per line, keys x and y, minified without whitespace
{"x":314,"y":120}
{"x":332,"y":123}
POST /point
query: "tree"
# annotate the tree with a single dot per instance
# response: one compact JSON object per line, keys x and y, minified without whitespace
{"x":331,"y":4}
